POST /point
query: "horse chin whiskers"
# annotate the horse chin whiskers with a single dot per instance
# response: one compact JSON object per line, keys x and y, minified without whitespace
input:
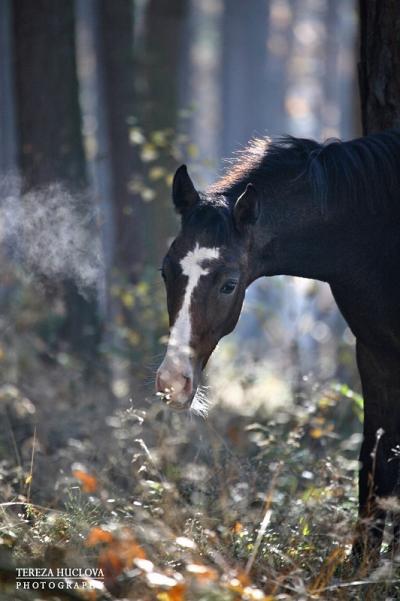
{"x":201,"y":403}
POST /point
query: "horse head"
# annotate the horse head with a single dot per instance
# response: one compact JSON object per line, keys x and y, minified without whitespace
{"x":206,"y":271}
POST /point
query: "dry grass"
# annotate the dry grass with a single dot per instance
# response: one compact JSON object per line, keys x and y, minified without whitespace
{"x":249,"y":504}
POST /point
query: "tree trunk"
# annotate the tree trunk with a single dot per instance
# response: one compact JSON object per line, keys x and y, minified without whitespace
{"x":50,"y":144}
{"x":379,"y":71}
{"x":7,"y":116}
{"x":157,"y":93}
{"x":50,"y":147}
{"x":244,"y":64}
{"x":116,"y":55}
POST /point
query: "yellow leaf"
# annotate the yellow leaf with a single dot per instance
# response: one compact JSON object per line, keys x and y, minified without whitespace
{"x":128,"y":299}
{"x":193,"y":151}
{"x":142,"y":289}
{"x":316,"y":433}
{"x":156,"y":173}
{"x":159,"y":138}
{"x":136,"y":136}
{"x":149,"y":152}
{"x":133,"y":338}
{"x":305,"y":529}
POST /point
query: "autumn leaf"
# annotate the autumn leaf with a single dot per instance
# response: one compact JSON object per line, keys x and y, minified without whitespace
{"x":243,"y":578}
{"x":111,"y":564}
{"x":98,"y":535}
{"x":320,"y":432}
{"x":176,"y":593}
{"x":237,"y":528}
{"x":235,"y":586}
{"x":89,"y":483}
{"x":316,"y":433}
{"x":119,"y":554}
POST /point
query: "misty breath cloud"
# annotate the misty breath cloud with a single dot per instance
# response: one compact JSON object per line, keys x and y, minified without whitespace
{"x":52,"y":232}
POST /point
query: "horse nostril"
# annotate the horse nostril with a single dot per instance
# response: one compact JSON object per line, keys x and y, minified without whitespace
{"x":160,"y":385}
{"x":178,"y":388}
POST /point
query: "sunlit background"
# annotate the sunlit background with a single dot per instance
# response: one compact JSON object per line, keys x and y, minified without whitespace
{"x":100,"y":102}
{"x":283,"y":67}
{"x":156,"y":84}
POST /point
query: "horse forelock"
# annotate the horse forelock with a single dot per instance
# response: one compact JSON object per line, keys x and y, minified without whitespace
{"x":211,"y":223}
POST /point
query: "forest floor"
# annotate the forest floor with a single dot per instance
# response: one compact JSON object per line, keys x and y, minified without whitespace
{"x":176,"y":508}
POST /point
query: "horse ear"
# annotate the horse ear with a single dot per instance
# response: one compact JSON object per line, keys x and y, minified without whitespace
{"x":247,"y":208}
{"x":184,"y":194}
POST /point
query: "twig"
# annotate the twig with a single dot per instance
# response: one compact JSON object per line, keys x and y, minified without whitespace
{"x":265,"y":521}
{"x":12,"y":503}
{"x":30,"y":477}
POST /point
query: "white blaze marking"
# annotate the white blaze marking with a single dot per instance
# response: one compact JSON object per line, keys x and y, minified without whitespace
{"x":176,"y":366}
{"x":191,"y":267}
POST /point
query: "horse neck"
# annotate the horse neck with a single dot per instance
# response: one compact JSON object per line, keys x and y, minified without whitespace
{"x":331,"y":250}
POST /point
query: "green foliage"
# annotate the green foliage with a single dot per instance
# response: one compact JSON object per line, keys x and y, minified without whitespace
{"x":140,"y":321}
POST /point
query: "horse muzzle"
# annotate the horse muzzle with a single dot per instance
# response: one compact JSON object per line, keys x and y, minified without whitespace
{"x":175,"y":382}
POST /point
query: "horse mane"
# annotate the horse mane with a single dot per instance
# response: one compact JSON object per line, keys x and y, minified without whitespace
{"x":363,"y":173}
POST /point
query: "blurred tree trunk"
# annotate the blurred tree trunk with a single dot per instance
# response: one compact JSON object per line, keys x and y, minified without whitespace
{"x":116,"y":56}
{"x":50,"y":143}
{"x":379,"y":70}
{"x":244,"y":56}
{"x":49,"y":127}
{"x":280,"y":43}
{"x":159,"y":66}
{"x":164,"y":21}
{"x":331,"y":79}
{"x":7,"y":116}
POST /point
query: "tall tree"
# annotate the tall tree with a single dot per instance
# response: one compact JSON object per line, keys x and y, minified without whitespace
{"x":49,"y":127}
{"x":379,"y":78}
{"x":379,"y":70}
{"x":158,"y":71}
{"x":244,"y":58}
{"x":7,"y":116}
{"x":116,"y":56}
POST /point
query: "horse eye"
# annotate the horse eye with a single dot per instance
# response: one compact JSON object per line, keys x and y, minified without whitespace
{"x":228,"y":287}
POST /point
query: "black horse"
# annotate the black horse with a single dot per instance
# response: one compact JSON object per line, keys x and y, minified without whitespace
{"x":325,"y":211}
